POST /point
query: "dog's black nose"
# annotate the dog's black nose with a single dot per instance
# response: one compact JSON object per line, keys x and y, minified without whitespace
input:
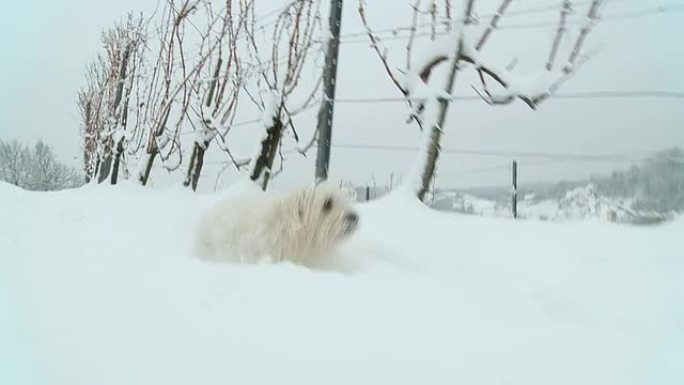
{"x":352,"y":220}
{"x":352,"y":217}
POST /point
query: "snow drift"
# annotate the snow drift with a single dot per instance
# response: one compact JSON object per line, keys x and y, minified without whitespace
{"x":98,"y":286}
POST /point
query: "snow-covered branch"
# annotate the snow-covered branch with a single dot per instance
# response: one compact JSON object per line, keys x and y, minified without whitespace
{"x":461,"y":48}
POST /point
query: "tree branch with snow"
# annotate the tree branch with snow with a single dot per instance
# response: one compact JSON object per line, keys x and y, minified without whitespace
{"x":460,"y":49}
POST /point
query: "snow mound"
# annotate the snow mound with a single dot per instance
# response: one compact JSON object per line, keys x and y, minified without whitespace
{"x":98,"y":286}
{"x":579,"y":204}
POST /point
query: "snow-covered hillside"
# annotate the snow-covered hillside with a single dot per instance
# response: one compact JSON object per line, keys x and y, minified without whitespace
{"x":578,"y":204}
{"x":98,"y":286}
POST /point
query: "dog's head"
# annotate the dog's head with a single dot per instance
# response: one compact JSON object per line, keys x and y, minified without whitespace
{"x":326,"y":213}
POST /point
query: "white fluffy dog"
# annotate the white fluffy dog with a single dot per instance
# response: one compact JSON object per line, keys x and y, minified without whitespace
{"x":302,"y":226}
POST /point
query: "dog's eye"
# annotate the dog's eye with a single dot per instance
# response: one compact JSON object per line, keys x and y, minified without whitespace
{"x":327,"y":205}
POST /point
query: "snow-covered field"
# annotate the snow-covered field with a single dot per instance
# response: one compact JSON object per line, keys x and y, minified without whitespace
{"x":99,"y":286}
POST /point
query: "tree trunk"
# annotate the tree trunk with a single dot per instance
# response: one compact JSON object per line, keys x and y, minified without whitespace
{"x":124,"y":113}
{"x":88,"y":146}
{"x":195,"y":167}
{"x":261,"y":169}
{"x":153,"y":147}
{"x":105,"y":167}
{"x":198,"y":150}
{"x":431,"y":155}
{"x":432,"y":141}
{"x":96,"y":169}
{"x":144,"y":176}
{"x":117,"y":162}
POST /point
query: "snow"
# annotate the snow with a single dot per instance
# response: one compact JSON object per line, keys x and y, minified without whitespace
{"x":270,"y":112}
{"x":442,"y":46}
{"x":579,"y":203}
{"x":531,"y":85}
{"x":466,"y":203}
{"x":118,"y":135}
{"x":98,"y":286}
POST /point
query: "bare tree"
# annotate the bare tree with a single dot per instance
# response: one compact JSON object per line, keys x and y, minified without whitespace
{"x":203,"y":58}
{"x":47,"y":173}
{"x":15,"y":163}
{"x":169,"y":90}
{"x":458,"y":50}
{"x":125,"y":48}
{"x":86,"y":100}
{"x":90,"y":100}
{"x":104,"y":103}
{"x":216,"y":96}
{"x":179,"y":85}
{"x":279,"y":75}
{"x":37,"y":170}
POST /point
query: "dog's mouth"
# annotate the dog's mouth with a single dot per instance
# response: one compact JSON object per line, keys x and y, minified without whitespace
{"x":351,"y":221}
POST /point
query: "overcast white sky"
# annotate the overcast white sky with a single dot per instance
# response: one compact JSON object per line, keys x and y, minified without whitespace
{"x":47,"y":43}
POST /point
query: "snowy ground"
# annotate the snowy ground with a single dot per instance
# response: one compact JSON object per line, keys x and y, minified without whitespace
{"x":98,"y":286}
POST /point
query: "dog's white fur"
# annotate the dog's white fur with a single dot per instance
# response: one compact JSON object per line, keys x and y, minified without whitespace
{"x":302,"y":226}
